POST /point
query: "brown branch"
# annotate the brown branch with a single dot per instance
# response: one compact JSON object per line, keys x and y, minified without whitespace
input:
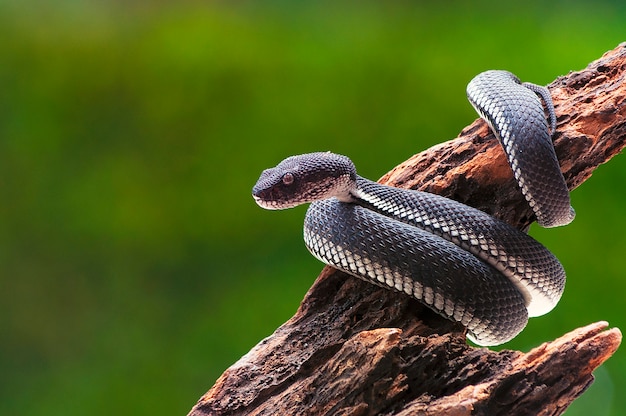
{"x":355,"y":349}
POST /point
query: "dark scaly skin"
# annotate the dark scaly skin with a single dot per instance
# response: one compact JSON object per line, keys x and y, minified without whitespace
{"x":392,"y":254}
{"x":516,"y":115}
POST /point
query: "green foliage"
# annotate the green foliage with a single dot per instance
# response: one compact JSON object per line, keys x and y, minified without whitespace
{"x":135,"y":265}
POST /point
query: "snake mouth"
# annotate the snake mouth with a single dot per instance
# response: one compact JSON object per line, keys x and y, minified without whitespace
{"x":271,"y":204}
{"x":263,"y":203}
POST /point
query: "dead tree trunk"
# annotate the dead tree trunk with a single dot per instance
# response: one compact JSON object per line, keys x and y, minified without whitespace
{"x":355,"y":349}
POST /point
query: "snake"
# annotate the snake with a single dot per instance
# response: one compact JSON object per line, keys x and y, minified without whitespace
{"x":460,"y":262}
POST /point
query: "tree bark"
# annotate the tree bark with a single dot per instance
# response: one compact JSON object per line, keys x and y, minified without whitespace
{"x":353,"y":348}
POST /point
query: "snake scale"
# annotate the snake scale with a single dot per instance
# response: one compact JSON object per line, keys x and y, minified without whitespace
{"x":460,"y":262}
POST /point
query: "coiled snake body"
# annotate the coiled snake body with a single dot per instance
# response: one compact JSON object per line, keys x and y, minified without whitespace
{"x":457,"y":260}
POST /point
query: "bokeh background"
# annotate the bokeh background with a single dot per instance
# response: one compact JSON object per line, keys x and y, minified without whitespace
{"x":135,"y":266}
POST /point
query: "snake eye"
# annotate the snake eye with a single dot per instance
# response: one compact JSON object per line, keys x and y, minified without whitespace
{"x":288,"y":178}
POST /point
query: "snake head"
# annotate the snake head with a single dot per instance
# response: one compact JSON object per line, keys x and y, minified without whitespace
{"x":305,"y":178}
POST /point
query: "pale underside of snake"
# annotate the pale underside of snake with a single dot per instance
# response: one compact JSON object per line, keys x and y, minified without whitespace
{"x":459,"y":261}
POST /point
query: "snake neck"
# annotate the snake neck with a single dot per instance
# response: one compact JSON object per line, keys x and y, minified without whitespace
{"x":377,"y":197}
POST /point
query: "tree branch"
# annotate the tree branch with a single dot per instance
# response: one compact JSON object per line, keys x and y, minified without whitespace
{"x":355,"y":349}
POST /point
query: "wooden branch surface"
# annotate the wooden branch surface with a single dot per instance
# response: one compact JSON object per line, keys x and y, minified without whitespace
{"x":355,"y":349}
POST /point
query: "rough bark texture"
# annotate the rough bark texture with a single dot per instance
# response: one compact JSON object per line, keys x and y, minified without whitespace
{"x":355,"y":349}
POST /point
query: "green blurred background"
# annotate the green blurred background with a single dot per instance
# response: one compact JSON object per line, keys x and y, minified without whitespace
{"x":135,"y":266}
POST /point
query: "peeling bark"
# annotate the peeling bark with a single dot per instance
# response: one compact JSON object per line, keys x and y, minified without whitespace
{"x":353,"y":348}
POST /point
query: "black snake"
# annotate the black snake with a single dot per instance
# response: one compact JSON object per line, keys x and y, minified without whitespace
{"x":457,"y":260}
